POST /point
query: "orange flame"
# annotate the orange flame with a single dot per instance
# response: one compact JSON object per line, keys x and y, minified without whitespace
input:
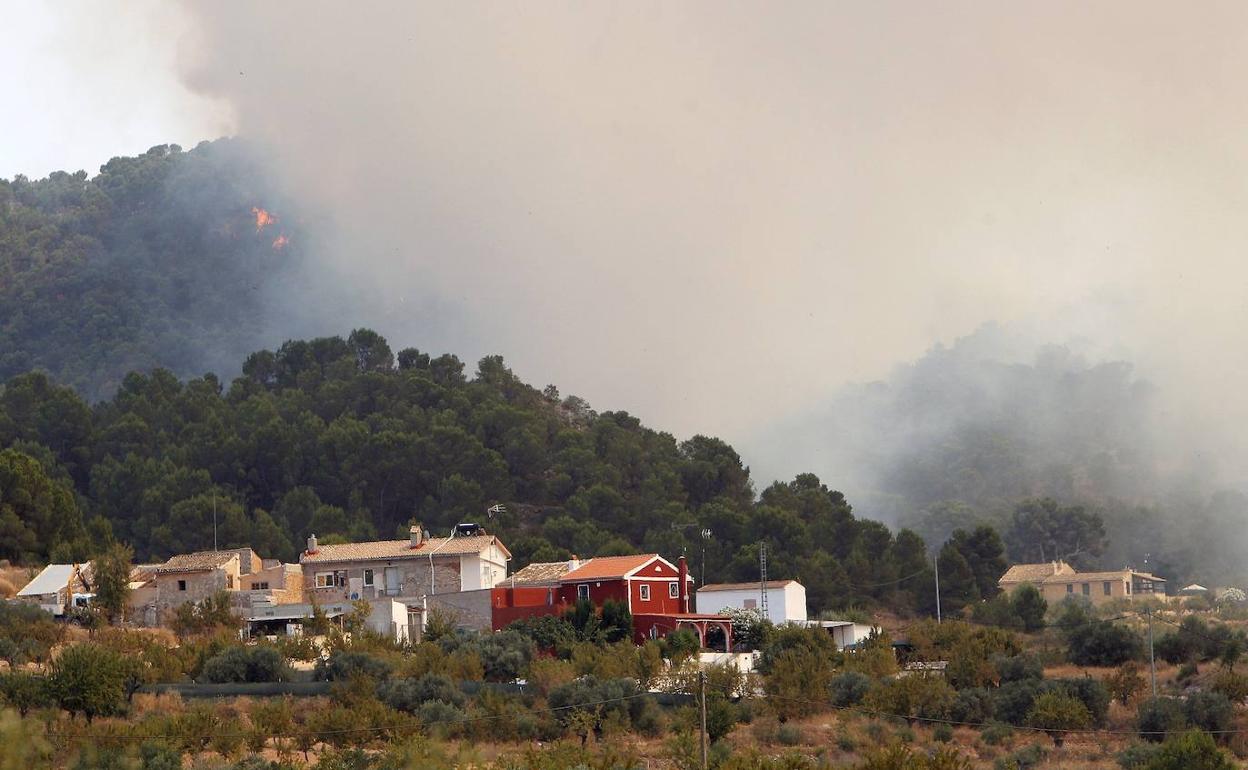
{"x":263,"y":218}
{"x":280,"y":242}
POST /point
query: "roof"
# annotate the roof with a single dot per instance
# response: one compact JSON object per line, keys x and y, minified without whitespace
{"x":196,"y":562}
{"x":542,"y":572}
{"x":1117,"y":574}
{"x":771,"y":584}
{"x":402,"y":549}
{"x":605,"y":567}
{"x":1035,"y":573}
{"x":51,"y":579}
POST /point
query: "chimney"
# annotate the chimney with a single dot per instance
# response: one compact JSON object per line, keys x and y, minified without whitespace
{"x":312,"y":543}
{"x":416,"y":535}
{"x":683,"y":589}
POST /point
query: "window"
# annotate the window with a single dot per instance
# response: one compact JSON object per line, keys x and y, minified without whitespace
{"x":229,"y":582}
{"x":324,"y":580}
{"x":181,"y":585}
{"x":1086,"y":587}
{"x":1070,"y":588}
{"x":673,"y":590}
{"x":582,"y":591}
{"x":1108,"y":587}
{"x":262,"y":586}
{"x":368,"y":577}
{"x":645,"y":592}
{"x":1128,"y":589}
{"x":751,"y":604}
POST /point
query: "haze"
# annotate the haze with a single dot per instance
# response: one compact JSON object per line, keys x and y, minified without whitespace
{"x":714,"y":215}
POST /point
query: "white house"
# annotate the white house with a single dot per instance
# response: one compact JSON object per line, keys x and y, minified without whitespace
{"x":786,"y":599}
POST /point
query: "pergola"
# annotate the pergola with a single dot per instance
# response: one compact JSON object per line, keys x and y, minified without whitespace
{"x":699,"y":623}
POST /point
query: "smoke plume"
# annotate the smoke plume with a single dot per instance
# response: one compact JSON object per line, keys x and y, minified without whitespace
{"x":716,"y":214}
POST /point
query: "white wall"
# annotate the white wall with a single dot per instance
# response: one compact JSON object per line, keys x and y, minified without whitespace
{"x":784,"y":604}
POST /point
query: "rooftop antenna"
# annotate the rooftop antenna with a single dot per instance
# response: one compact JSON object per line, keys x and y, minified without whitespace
{"x":214,"y":518}
{"x":762,"y":578}
{"x":495,"y":508}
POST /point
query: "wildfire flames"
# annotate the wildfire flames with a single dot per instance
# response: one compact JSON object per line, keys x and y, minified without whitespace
{"x":263,"y":218}
{"x":280,"y":242}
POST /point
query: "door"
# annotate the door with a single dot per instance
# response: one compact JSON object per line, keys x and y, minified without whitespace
{"x":392,"y":581}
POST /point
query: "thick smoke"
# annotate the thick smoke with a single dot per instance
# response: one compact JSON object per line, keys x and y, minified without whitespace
{"x":715,"y":214}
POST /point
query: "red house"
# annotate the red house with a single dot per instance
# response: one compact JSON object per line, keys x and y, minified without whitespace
{"x":656,"y":591}
{"x":649,"y":583}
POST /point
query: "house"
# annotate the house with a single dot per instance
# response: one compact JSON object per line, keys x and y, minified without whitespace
{"x":1057,"y":580}
{"x":193,"y":577}
{"x":786,"y":599}
{"x":1034,"y":574}
{"x":647,"y":583}
{"x":59,"y":587}
{"x":469,"y":560}
{"x":655,"y":591}
{"x":387,"y":617}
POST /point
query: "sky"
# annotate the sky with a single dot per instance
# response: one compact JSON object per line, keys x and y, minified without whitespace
{"x":712,"y":215}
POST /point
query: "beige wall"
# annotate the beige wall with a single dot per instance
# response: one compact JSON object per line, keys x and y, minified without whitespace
{"x":1057,"y":588}
{"x":199,"y":585}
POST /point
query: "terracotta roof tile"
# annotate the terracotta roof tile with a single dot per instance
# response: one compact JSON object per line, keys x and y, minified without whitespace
{"x":744,"y":586}
{"x":401,"y":549}
{"x":601,"y":567}
{"x":196,"y":562}
{"x":1035,"y":573}
{"x":541,"y":572}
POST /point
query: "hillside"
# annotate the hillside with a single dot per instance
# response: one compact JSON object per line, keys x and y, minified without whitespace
{"x":167,"y":259}
{"x":344,"y":438}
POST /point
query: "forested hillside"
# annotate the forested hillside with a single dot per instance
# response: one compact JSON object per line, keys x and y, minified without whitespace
{"x":166,"y":259}
{"x":964,"y":434}
{"x":344,"y":438}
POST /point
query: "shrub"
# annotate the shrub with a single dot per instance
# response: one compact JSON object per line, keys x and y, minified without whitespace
{"x":1013,"y":701}
{"x":1102,"y":643}
{"x":1057,"y":713}
{"x":1088,"y":691}
{"x":24,"y":691}
{"x":942,"y":733}
{"x":790,"y":735}
{"x":1136,"y":756}
{"x":1023,"y":759}
{"x":996,"y":734}
{"x":90,"y":680}
{"x":1158,"y":717}
{"x":409,"y":694}
{"x":848,"y":689}
{"x":1190,"y":751}
{"x":1210,"y":711}
{"x":912,"y":697}
{"x":973,"y":705}
{"x":1017,"y":668}
{"x":505,"y":655}
{"x":1124,"y":683}
{"x":1234,"y":686}
{"x":246,"y":664}
{"x":343,"y":665}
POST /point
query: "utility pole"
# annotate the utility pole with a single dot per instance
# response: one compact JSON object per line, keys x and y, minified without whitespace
{"x":1152,"y":663}
{"x":762,"y":579}
{"x":937,"y":563}
{"x":702,"y":694}
{"x":214,"y":518}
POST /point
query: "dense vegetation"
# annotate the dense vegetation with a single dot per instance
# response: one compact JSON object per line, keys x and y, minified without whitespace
{"x":964,"y":434}
{"x":156,"y":261}
{"x":345,"y":438}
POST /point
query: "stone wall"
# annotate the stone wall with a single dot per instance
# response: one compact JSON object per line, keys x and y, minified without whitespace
{"x":414,"y":578}
{"x":471,"y":609}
